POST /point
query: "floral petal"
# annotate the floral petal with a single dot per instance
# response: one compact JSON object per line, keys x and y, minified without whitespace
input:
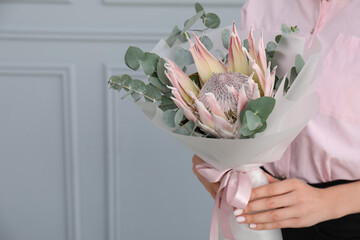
{"x":237,"y":61}
{"x":242,"y":100}
{"x":252,"y":49}
{"x":204,"y":114}
{"x":187,"y":111}
{"x":261,"y":57}
{"x":177,"y":95}
{"x":221,"y":124}
{"x":259,"y":74}
{"x":214,"y":105}
{"x":185,"y":82}
{"x":215,"y":65}
{"x":208,"y":130}
{"x":201,"y":65}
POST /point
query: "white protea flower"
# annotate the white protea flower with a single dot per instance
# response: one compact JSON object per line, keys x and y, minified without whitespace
{"x":225,"y":90}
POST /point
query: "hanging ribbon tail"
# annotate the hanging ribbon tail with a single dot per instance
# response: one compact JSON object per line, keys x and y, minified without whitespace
{"x":236,"y":194}
{"x":239,"y":190}
{"x":236,"y":188}
{"x":214,"y":228}
{"x":225,"y":213}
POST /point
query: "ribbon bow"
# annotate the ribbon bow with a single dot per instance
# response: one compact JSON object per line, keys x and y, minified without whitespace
{"x":237,"y":189}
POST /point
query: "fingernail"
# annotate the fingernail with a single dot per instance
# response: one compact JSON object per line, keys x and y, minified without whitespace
{"x":252,"y":225}
{"x":238,"y":212}
{"x":240,"y":219}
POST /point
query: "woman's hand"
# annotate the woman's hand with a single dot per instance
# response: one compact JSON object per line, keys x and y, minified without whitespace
{"x":212,"y":188}
{"x":289,"y":203}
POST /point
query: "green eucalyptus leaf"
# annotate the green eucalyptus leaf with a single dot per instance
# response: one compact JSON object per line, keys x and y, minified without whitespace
{"x":271,"y":46}
{"x":137,"y":89}
{"x":261,"y":106}
{"x":286,"y":85}
{"x":167,"y":103}
{"x":183,"y":57}
{"x":225,"y":37}
{"x":186,"y":129}
{"x":270,"y":50}
{"x":169,"y":94}
{"x":277,"y":82}
{"x":253,"y":120}
{"x":212,"y":20}
{"x":157,"y":83}
{"x":179,"y":116}
{"x":199,"y":8}
{"x":246,"y":132}
{"x":126,"y":83}
{"x":136,"y":96}
{"x":133,"y":57}
{"x":299,"y":63}
{"x":137,"y":86}
{"x":285,"y":29}
{"x":150,"y":63}
{"x":169,"y":117}
{"x":246,"y":44}
{"x":115,"y":82}
{"x":173,"y":36}
{"x":277,"y":38}
{"x":270,"y":55}
{"x":161,"y":72}
{"x":293,"y":75}
{"x":207,"y":42}
{"x":191,"y":21}
{"x":186,"y":22}
{"x":195,"y":77}
{"x":125,"y":77}
{"x":184,"y":69}
{"x":153,"y":94}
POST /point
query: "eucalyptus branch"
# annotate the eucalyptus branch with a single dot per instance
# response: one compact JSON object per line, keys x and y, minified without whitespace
{"x":132,"y":90}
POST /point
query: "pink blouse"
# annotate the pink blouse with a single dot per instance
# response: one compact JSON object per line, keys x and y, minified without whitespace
{"x":329,"y":147}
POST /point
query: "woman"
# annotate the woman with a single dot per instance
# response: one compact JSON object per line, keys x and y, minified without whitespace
{"x":318,"y":196}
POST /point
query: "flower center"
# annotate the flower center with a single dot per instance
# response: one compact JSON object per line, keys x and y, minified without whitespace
{"x":219,"y":85}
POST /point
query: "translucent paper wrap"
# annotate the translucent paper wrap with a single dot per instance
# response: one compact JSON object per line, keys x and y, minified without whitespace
{"x":237,"y":161}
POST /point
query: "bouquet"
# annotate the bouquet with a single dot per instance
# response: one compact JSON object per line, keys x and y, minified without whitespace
{"x":236,"y":111}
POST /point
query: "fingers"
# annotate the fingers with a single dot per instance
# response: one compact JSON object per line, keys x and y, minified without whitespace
{"x":273,"y":189}
{"x":264,"y":204}
{"x":288,"y":223}
{"x":272,"y":216}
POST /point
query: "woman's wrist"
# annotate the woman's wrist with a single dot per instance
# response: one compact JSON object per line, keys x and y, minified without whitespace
{"x":342,"y":200}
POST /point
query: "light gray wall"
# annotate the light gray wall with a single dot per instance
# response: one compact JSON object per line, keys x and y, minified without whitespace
{"x":76,"y":162}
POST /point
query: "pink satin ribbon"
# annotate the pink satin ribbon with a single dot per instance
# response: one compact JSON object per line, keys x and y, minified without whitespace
{"x":237,"y":189}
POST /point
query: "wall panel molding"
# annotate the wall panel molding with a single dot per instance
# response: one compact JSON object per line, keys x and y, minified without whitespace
{"x":66,"y":74}
{"x":167,"y":3}
{"x":112,"y":156}
{"x":122,"y":35}
{"x":37,"y":1}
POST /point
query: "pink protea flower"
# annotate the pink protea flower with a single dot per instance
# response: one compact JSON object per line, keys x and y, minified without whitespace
{"x":225,"y":90}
